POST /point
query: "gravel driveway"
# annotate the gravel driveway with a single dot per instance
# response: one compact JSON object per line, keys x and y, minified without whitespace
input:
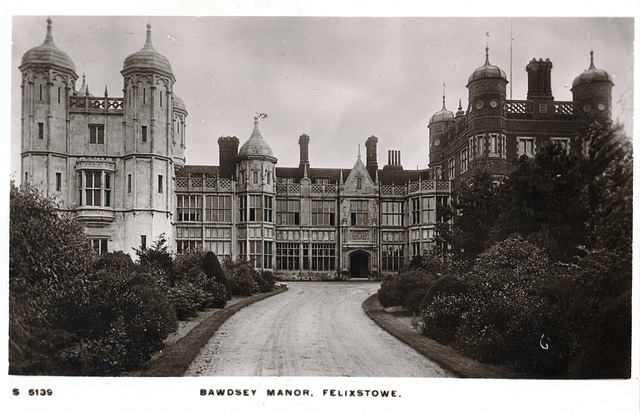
{"x":314,"y":329}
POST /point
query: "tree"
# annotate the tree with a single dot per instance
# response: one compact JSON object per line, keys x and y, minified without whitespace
{"x":541,"y":201}
{"x":157,"y":261}
{"x":213,"y":270}
{"x":473,"y":212}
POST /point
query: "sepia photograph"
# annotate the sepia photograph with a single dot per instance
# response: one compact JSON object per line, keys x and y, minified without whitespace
{"x":320,"y":211}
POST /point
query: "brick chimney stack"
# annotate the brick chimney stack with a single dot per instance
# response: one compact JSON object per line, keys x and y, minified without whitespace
{"x":539,"y":79}
{"x":303,"y":141}
{"x":372,"y":155}
{"x":228,"y":150}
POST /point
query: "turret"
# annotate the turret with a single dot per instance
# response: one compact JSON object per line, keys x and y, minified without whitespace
{"x":592,"y":92}
{"x":439,"y":124}
{"x":487,"y":90}
{"x":48,"y":79}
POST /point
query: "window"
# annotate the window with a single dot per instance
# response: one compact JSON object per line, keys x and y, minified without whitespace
{"x":160,"y":184}
{"x":58,"y":182}
{"x":144,"y":134}
{"x":255,"y":177}
{"x":268,"y":208}
{"x":218,"y":208}
{"x":242,"y":208}
{"x":95,"y":188}
{"x":242,"y":250}
{"x":40,"y":98}
{"x":40,"y":130}
{"x":479,"y":145}
{"x":287,"y":256}
{"x":323,"y":213}
{"x":268,"y":255}
{"x":442,"y":203}
{"x":464,"y":160}
{"x":415,"y":210}
{"x":96,"y":133}
{"x":563,"y":142}
{"x":359,"y":212}
{"x":189,"y":208}
{"x":143,"y":241}
{"x":323,"y":256}
{"x":504,"y":146}
{"x":359,"y":183}
{"x":58,"y":95}
{"x":268,"y":177}
{"x":428,"y":209}
{"x":144,"y":96}
{"x":287,"y":212}
{"x":160,"y":99}
{"x":392,"y":257}
{"x":255,"y":208}
{"x":129,"y":183}
{"x":322,"y":180}
{"x":218,"y":240}
{"x":99,"y":245}
{"x":392,"y":213}
{"x":255,"y":253}
{"x":526,"y":146}
{"x":452,"y":168}
{"x":494,"y":145}
{"x":471,"y":148}
{"x":187,"y":245}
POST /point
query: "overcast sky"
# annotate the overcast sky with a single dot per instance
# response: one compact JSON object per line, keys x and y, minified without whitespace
{"x":339,"y":80}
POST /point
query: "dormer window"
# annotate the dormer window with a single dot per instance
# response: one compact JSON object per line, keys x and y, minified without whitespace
{"x":359,"y":183}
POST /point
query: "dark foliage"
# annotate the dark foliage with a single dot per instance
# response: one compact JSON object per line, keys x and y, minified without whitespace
{"x":265,"y":281}
{"x":407,"y":289}
{"x":241,"y":276}
{"x":213,"y":270}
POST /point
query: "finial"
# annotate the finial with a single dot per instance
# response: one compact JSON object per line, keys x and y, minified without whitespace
{"x":358,"y":151}
{"x":444,"y":87}
{"x":49,"y":37}
{"x":106,"y":93}
{"x":592,"y":66}
{"x":486,"y":49}
{"x":147,"y":43}
{"x":305,"y":170}
{"x":459,"y":104}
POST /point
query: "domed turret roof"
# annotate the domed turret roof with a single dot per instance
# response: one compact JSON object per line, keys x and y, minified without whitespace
{"x":591,"y":75}
{"x":48,"y":54}
{"x":443,"y":115}
{"x":256,"y":145}
{"x":147,"y":58}
{"x":487,"y":71}
{"x":84,"y":89}
{"x":178,"y":104}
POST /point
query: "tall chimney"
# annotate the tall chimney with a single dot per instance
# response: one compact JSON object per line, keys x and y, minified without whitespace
{"x":539,"y":79}
{"x":372,"y":155}
{"x":393,"y":162}
{"x":228,"y":150}
{"x":303,"y":141}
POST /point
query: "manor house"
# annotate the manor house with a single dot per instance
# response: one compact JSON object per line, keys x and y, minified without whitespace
{"x":118,"y":163}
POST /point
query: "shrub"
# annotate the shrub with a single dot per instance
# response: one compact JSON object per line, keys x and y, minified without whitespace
{"x":157,"y":261}
{"x":216,"y":294}
{"x":213,"y":270}
{"x":118,"y":319}
{"x":241,"y":277}
{"x":187,"y":266}
{"x":443,"y":309}
{"x":406,"y":289}
{"x":265,"y":281}
{"x":186,"y":299}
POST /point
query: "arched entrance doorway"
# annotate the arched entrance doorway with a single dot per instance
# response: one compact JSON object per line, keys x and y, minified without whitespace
{"x":359,"y":264}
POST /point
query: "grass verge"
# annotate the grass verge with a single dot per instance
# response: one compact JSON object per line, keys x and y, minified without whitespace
{"x":175,"y":359}
{"x":450,"y":360}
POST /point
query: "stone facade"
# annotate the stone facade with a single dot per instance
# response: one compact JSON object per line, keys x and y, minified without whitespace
{"x":119,"y":165}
